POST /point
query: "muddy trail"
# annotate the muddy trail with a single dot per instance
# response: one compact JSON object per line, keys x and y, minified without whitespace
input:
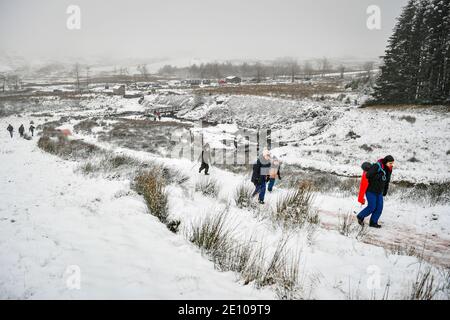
{"x":398,"y":239}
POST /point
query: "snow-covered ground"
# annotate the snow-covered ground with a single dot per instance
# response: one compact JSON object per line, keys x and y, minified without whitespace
{"x":54,"y":221}
{"x":63,"y":218}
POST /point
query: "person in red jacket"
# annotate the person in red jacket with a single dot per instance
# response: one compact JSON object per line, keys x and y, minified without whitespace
{"x":375,"y":185}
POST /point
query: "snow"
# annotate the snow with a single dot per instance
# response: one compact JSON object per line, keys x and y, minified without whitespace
{"x":52,"y":219}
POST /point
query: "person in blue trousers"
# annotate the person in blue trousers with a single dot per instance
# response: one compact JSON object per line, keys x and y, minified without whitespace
{"x":378,"y":176}
{"x":260,"y":173}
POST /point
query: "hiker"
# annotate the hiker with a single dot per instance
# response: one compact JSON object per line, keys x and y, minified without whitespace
{"x":31,"y":129}
{"x":10,"y":129}
{"x":374,"y":184}
{"x":274,"y":172}
{"x":260,"y":172}
{"x":21,"y":130}
{"x":205,"y":158}
{"x":159,"y":115}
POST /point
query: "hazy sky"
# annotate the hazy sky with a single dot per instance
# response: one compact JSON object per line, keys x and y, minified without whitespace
{"x":210,"y":29}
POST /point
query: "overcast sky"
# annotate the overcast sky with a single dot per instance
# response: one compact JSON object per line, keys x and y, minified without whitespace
{"x":210,"y":29}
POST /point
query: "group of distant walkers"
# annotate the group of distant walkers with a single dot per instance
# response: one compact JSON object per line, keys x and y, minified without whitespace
{"x":374,"y":183}
{"x":265,"y":171}
{"x":21,"y":130}
{"x":157,"y":115}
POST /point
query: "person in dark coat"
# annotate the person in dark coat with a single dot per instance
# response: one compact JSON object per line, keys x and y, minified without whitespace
{"x":205,"y":158}
{"x":260,"y":173}
{"x":32,"y":130}
{"x":10,"y":129}
{"x":21,"y":130}
{"x":378,"y":176}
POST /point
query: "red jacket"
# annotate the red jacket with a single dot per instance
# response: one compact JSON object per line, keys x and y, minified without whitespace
{"x":363,"y":188}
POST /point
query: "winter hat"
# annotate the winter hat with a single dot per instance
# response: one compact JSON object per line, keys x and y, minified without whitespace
{"x":388,"y":159}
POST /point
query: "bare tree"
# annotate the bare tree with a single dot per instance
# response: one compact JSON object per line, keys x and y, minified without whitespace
{"x":325,"y":66}
{"x":293,"y":69}
{"x":4,"y":78}
{"x":259,"y":72}
{"x":87,"y":77}
{"x":143,"y":70}
{"x":77,"y":75}
{"x":308,"y":68}
{"x":342,"y":70}
{"x":123,"y":71}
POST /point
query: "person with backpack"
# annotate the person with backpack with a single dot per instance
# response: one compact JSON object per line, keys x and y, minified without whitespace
{"x":32,"y":130}
{"x":205,"y":158}
{"x":10,"y":129}
{"x":21,"y":130}
{"x":260,"y":173}
{"x":374,"y":185}
{"x":274,"y":172}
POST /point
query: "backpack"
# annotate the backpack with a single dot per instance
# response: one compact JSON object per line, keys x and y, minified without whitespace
{"x":367,"y":165}
{"x":365,"y":182}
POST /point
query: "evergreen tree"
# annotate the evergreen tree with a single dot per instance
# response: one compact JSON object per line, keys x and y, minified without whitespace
{"x":416,"y":62}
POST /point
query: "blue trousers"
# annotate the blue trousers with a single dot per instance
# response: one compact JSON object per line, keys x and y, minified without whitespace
{"x":374,"y":207}
{"x":271,"y":183}
{"x":261,"y":189}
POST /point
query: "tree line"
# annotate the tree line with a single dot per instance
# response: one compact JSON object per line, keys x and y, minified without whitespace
{"x":286,"y":67}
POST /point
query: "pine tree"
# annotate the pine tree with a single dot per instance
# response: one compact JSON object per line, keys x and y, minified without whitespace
{"x":393,"y":83}
{"x":417,"y":60}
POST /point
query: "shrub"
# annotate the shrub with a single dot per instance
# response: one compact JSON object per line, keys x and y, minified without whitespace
{"x":243,"y":195}
{"x":367,"y":148}
{"x":409,"y":119}
{"x":211,"y":235}
{"x":346,"y":224}
{"x":208,"y":187}
{"x":85,"y":126}
{"x":151,"y":185}
{"x":246,"y":258}
{"x":352,"y":135}
{"x":67,"y":148}
{"x":423,"y":288}
{"x":296,"y":206}
{"x":117,"y":161}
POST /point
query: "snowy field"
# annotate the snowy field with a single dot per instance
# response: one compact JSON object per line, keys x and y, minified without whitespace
{"x":54,"y":216}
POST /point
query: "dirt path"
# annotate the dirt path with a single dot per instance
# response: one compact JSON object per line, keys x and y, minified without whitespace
{"x":402,"y":239}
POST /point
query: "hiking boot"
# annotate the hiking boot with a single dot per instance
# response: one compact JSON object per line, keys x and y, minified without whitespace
{"x":261,"y":201}
{"x":206,"y":174}
{"x":374,"y":225}
{"x":360,"y":221}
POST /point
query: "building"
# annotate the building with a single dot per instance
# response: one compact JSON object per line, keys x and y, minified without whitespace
{"x":119,"y":90}
{"x":193,"y":82}
{"x":233,"y":79}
